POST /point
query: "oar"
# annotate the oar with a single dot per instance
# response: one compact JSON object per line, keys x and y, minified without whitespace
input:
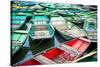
{"x":87,"y":55}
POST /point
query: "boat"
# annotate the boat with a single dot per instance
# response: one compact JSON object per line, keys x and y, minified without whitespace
{"x":65,"y":53}
{"x":23,"y":3}
{"x":62,"y":6}
{"x":26,"y":12}
{"x":54,"y":33}
{"x":75,"y":47}
{"x":67,"y":29}
{"x":61,"y":12}
{"x":73,"y":10}
{"x":72,"y":50}
{"x":17,"y":22}
{"x":41,"y":28}
{"x":29,"y":62}
{"x":35,"y":47}
{"x":20,"y":7}
{"x":36,"y":7}
{"x":17,"y":41}
{"x":42,"y":12}
{"x":48,"y":5}
{"x":85,"y":8}
{"x":93,"y":7}
{"x":90,"y":25}
{"x":91,"y":56}
{"x":73,"y":18}
{"x":88,"y":14}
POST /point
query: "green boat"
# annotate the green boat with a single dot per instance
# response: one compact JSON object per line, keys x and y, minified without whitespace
{"x":36,"y":7}
{"x":28,"y":13}
{"x":48,"y":5}
{"x":79,"y":18}
{"x":17,"y":41}
{"x":61,"y":12}
{"x":90,"y":25}
{"x":41,"y":28}
{"x":73,"y":18}
{"x":88,"y":14}
{"x":73,"y":10}
{"x":85,"y":8}
{"x":62,"y":6}
{"x":17,"y":22}
{"x":42,"y":12}
{"x":66,"y":28}
{"x":24,"y":3}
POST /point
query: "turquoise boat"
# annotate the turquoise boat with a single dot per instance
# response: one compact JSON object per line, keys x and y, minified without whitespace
{"x":62,"y":6}
{"x":73,"y":10}
{"x":88,"y":14}
{"x":24,"y":3}
{"x":41,"y":28}
{"x":60,"y":12}
{"x":17,"y":41}
{"x":90,"y":25}
{"x":42,"y":12}
{"x":67,"y":29}
{"x":20,"y":25}
{"x":17,"y":22}
{"x":36,"y":7}
{"x":27,"y":13}
{"x":48,"y":5}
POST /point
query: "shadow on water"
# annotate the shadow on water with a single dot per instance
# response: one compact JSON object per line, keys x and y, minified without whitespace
{"x":37,"y":46}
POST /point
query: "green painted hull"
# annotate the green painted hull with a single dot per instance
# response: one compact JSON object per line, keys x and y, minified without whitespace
{"x":17,"y":41}
{"x":68,"y":29}
{"x":90,"y":26}
{"x":41,"y":30}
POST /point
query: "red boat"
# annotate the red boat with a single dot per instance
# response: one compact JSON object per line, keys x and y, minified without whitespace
{"x":74,"y":48}
{"x":65,"y":53}
{"x":29,"y":62}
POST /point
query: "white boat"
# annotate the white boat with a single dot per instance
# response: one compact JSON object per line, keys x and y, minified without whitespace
{"x":66,"y":28}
